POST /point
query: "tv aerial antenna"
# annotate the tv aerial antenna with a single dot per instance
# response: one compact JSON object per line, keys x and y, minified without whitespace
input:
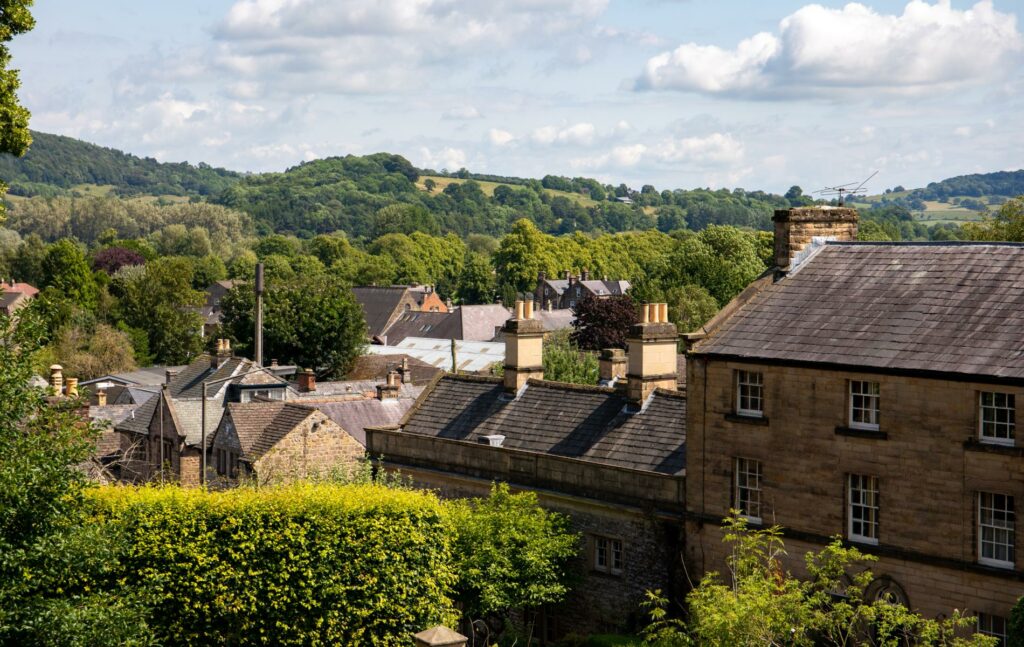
{"x":845,"y":190}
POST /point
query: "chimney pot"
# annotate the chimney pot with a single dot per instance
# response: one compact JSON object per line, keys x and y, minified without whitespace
{"x":273,"y":363}
{"x":101,"y":398}
{"x":528,"y":309}
{"x":520,"y":309}
{"x":57,"y":378}
{"x":307,"y":381}
{"x":72,"y":387}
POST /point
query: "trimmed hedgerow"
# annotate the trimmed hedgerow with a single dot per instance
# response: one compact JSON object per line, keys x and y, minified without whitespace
{"x":296,"y":565}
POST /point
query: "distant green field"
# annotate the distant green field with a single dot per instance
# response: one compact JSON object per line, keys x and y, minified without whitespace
{"x":104,"y":191}
{"x":935,"y":212}
{"x":489,"y":187}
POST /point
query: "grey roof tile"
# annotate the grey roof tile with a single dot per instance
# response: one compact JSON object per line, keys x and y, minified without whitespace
{"x":953,"y":308}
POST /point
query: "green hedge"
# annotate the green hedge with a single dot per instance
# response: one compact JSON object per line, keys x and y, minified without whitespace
{"x":298,"y":565}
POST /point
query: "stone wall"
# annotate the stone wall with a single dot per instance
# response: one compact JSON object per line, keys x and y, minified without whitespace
{"x":314,"y":447}
{"x":599,"y":602}
{"x":928,"y":466}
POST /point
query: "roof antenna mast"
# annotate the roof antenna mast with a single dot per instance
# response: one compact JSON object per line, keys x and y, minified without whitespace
{"x":844,"y":190}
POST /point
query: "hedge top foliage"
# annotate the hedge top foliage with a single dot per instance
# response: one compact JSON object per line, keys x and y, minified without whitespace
{"x":297,"y":565}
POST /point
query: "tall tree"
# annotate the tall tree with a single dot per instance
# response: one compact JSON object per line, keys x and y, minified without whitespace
{"x":603,"y":323}
{"x":476,"y":282}
{"x":159,"y":299}
{"x":66,"y":270}
{"x":313,"y":322}
{"x":15,"y":18}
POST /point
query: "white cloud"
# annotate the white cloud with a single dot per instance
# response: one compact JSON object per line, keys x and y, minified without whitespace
{"x":581,"y":134}
{"x":364,"y":46}
{"x":716,"y":150}
{"x":445,"y":158}
{"x":461,"y":113}
{"x":963,"y":131}
{"x":819,"y":49}
{"x":500,"y":137}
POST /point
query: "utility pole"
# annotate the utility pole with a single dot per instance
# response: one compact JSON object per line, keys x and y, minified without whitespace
{"x":258,"y":353}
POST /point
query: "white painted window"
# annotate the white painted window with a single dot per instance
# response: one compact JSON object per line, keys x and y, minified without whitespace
{"x":995,"y":529}
{"x":607,"y":555}
{"x":862,"y":508}
{"x":747,"y":487}
{"x":865,"y":402}
{"x":995,"y":626}
{"x":750,"y":393}
{"x":997,"y":418}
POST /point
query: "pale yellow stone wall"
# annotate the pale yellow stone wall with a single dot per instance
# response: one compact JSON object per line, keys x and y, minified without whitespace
{"x":927,"y":477}
{"x":313,"y":448}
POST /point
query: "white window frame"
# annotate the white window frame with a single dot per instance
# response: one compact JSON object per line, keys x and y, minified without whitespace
{"x":856,"y":391}
{"x":749,"y":380}
{"x":608,"y":554}
{"x":995,"y":626}
{"x":748,"y":476}
{"x":1008,"y":425}
{"x":862,"y":508}
{"x":990,"y":531}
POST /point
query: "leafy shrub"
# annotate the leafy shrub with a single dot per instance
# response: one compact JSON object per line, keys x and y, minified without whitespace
{"x":304,"y":564}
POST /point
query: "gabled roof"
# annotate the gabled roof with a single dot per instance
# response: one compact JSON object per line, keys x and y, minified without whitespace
{"x":260,"y":425}
{"x":150,"y":376}
{"x":465,"y":323}
{"x":553,"y":320}
{"x":376,"y":367}
{"x":585,"y":422}
{"x":936,"y":307}
{"x":379,"y":305}
{"x":598,"y":287}
{"x":23,"y":288}
{"x":354,"y":416}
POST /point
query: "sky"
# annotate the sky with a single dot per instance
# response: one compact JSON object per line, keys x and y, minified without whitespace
{"x":673,"y":93}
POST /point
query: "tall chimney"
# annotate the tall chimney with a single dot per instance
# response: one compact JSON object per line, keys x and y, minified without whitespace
{"x":796,"y":229}
{"x":57,"y":379}
{"x":72,"y":387}
{"x":524,"y":348}
{"x":611,"y":365}
{"x":389,"y":390}
{"x":405,"y":372}
{"x":652,"y":360}
{"x":585,"y":275}
{"x":222,"y":355}
{"x":307,"y":381}
{"x":169,"y":374}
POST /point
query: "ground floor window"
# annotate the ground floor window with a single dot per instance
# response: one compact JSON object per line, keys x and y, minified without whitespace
{"x":607,"y":554}
{"x":995,"y":626}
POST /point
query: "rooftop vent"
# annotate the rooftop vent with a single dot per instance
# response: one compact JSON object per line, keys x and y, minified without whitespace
{"x":494,"y":440}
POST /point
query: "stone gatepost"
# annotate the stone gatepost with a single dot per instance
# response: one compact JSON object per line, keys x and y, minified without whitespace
{"x":440,"y":637}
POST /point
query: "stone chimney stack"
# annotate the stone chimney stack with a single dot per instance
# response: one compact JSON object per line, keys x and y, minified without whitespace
{"x":307,"y":381}
{"x":585,"y":275}
{"x":101,"y":398}
{"x":405,"y":371}
{"x":611,"y":365}
{"x":72,"y":387}
{"x":57,"y":379}
{"x":222,"y":355}
{"x":389,"y":390}
{"x":169,"y":375}
{"x":524,"y":348}
{"x":796,"y":229}
{"x":652,"y":353}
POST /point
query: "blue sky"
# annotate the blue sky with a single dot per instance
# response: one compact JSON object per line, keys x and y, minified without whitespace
{"x":675,"y":93}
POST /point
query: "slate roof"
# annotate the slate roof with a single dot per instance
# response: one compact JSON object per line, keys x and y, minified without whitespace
{"x":478,"y":322}
{"x":10,"y":301}
{"x":260,"y":425}
{"x":379,"y":304}
{"x":598,"y":287}
{"x":946,"y":307}
{"x":553,"y":320}
{"x":434,"y":325}
{"x":354,"y":416}
{"x":376,"y":367}
{"x":150,"y":376}
{"x":585,"y":422}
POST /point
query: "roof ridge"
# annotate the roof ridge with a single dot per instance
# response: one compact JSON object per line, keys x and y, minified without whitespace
{"x":924,"y":243}
{"x":570,"y":386}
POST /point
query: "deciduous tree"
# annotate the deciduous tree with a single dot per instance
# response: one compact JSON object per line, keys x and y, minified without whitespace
{"x":603,"y":323}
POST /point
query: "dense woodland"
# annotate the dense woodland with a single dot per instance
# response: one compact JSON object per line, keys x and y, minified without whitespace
{"x":122,"y":277}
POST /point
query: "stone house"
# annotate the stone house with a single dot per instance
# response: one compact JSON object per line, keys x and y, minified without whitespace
{"x":565,"y":293}
{"x":383,"y":305}
{"x":869,"y":390}
{"x":614,"y":459}
{"x":274,"y":442}
{"x":163,"y":437}
{"x":14,"y":295}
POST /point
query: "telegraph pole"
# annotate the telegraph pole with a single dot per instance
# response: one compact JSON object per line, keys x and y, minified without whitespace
{"x":258,"y":352}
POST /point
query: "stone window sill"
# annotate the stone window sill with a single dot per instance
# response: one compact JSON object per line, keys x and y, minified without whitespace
{"x":873,"y":434}
{"x":748,"y":420}
{"x":975,"y":445}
